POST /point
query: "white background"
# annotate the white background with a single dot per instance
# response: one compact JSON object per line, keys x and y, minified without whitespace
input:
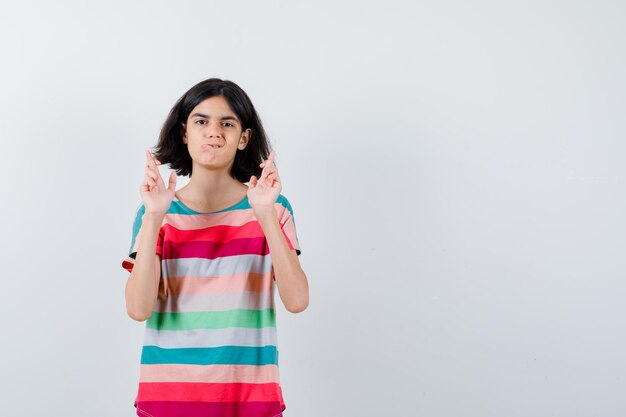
{"x":456,"y":171}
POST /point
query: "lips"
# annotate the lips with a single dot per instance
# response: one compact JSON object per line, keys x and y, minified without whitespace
{"x":211,"y":146}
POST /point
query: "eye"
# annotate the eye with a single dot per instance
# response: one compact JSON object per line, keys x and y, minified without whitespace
{"x":200,"y":122}
{"x":228,"y":124}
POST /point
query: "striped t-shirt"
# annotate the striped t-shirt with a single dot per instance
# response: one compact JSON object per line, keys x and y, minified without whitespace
{"x":210,"y":346}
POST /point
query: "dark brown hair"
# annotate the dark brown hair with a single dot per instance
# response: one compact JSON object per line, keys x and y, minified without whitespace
{"x":171,"y":149}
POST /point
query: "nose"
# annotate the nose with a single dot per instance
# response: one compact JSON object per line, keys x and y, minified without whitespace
{"x":214,"y":129}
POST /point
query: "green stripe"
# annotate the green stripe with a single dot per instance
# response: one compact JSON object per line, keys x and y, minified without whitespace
{"x":212,"y":319}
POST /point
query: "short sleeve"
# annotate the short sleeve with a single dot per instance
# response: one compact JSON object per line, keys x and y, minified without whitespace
{"x":129,"y":260}
{"x":288,"y":224}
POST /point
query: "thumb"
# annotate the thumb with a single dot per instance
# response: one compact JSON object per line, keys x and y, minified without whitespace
{"x":253,"y":181}
{"x":172,"y":182}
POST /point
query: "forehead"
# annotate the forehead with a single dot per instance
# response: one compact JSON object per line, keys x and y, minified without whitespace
{"x":214,"y":107}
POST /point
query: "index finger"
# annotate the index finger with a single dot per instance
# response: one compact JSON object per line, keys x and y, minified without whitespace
{"x":269,"y":161}
{"x":152,"y":158}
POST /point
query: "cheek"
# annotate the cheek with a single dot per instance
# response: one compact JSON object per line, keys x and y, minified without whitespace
{"x":194,"y":135}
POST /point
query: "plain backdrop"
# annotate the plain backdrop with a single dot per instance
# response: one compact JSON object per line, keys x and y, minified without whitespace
{"x":456,"y":171}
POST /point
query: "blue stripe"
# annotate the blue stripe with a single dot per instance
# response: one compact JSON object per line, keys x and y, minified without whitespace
{"x":237,"y":355}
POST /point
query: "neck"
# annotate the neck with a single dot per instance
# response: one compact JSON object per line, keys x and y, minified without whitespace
{"x":212,"y":186}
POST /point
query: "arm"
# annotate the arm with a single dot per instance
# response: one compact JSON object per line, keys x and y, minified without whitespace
{"x":293,"y":286}
{"x":143,"y":284}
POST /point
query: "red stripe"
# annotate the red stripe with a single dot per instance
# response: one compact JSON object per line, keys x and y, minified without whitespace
{"x":218,"y":233}
{"x":208,"y":392}
{"x":214,"y":250}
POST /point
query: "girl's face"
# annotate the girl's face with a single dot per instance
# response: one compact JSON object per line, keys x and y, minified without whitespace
{"x":213,"y":134}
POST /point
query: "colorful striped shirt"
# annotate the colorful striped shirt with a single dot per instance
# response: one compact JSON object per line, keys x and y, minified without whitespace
{"x":210,"y":346}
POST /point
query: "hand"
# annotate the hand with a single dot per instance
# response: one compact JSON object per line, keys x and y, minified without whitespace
{"x":156,"y":198}
{"x":263,"y":192}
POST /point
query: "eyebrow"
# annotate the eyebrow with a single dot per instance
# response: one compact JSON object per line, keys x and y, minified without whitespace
{"x":207,"y":117}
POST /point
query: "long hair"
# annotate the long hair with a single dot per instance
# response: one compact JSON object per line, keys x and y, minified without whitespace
{"x":171,"y":149}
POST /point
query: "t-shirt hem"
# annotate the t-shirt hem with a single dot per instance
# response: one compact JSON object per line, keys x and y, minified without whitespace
{"x":147,"y":414}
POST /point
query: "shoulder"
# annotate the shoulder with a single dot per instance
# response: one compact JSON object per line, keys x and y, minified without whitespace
{"x":141,"y":209}
{"x":285,"y":210}
{"x":284,"y":201}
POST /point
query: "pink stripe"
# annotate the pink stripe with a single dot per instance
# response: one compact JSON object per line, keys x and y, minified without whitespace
{"x":226,"y":283}
{"x":209,"y":373}
{"x":290,"y":230}
{"x":227,"y":218}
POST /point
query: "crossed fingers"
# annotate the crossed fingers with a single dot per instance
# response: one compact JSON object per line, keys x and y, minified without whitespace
{"x":270,"y":172}
{"x":152,"y":172}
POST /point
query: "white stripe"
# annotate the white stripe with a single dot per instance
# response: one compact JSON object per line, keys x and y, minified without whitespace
{"x":231,"y":336}
{"x":227,"y":265}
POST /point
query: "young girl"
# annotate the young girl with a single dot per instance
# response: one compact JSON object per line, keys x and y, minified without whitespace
{"x":205,"y":261}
